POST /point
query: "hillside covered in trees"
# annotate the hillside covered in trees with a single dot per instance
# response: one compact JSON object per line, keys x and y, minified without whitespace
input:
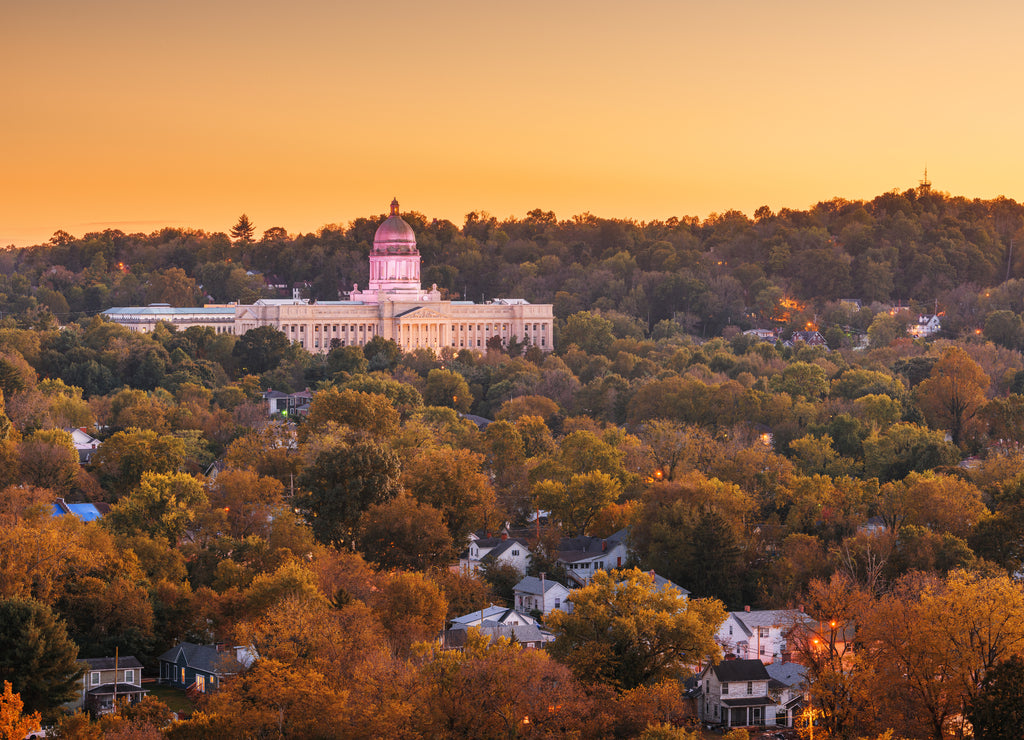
{"x":878,"y":486}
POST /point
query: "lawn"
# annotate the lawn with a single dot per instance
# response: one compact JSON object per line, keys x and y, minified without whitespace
{"x":173,"y":698}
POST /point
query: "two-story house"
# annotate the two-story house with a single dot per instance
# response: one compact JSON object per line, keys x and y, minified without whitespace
{"x":760,"y":634}
{"x":108,"y":681}
{"x":532,"y":594}
{"x":734,"y":693}
{"x":584,"y":556}
{"x":498,"y":614}
{"x":504,"y":550}
{"x":202,"y":667}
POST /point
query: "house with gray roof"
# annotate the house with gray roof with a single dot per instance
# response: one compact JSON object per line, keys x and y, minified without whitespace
{"x":504,"y":550}
{"x":531,"y":594}
{"x":759,"y":634}
{"x":492,"y":613}
{"x":583,"y":556}
{"x":734,"y":693}
{"x":203,"y":668}
{"x":788,"y":689}
{"x":107,"y":681}
{"x":527,"y":635}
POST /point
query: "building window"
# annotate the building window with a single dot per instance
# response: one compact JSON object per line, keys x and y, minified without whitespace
{"x":129,"y":675}
{"x":730,"y":630}
{"x":725,"y":689}
{"x":762,"y":632}
{"x":515,"y":553}
{"x":94,"y":678}
{"x":558,"y":603}
{"x":750,"y":688}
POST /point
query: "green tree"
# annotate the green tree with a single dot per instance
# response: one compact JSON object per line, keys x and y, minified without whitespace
{"x":341,"y":483}
{"x":382,"y":354}
{"x":36,"y":655}
{"x":625,"y":632}
{"x":997,"y":713}
{"x":588,"y":331}
{"x":260,"y":349}
{"x":366,"y":412}
{"x":446,"y":388}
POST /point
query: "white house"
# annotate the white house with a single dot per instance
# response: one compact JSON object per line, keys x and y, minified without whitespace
{"x":85,"y":444}
{"x":584,"y":556}
{"x":503,"y":550}
{"x":496,"y":614}
{"x":926,"y":326}
{"x":530,"y":595}
{"x":734,"y":693}
{"x":759,"y":634}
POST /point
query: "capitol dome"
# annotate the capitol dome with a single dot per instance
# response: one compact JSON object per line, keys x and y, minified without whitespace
{"x":394,"y":235}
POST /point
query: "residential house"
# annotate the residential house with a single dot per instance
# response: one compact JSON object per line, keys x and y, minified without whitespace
{"x":583,"y":556}
{"x":277,"y":402}
{"x":84,"y":443}
{"x":202,"y":667}
{"x":787,"y":688}
{"x":812,"y":338}
{"x":734,"y":693}
{"x":527,"y":635}
{"x":759,"y":634}
{"x":85,"y":512}
{"x":926,"y":326}
{"x":108,"y":681}
{"x":496,"y":614}
{"x":534,"y":594}
{"x":503,"y":550}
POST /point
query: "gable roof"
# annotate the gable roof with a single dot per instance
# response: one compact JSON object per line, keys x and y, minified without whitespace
{"x":107,"y":664}
{"x":531,"y":585}
{"x":787,"y":674}
{"x":503,"y":546}
{"x":740,"y":670}
{"x":769,"y":618}
{"x":206,"y":658}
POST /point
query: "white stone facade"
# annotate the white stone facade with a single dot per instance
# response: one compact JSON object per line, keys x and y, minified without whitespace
{"x":394,"y":306}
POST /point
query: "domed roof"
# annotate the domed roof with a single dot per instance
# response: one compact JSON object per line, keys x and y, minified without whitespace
{"x":394,"y":235}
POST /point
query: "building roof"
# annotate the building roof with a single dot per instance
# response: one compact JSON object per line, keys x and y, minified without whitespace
{"x":474,"y":617}
{"x":748,"y":701}
{"x":787,"y":674}
{"x":503,"y":546}
{"x":205,"y":658}
{"x":572,"y":549}
{"x":531,"y":585}
{"x":122,"y":688}
{"x":107,"y":664}
{"x":170,"y":311}
{"x":85,"y":512}
{"x":394,"y":235}
{"x":740,"y":670}
{"x":769,"y":618}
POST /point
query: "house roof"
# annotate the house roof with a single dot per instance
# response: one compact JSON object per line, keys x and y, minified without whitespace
{"x":85,"y":512}
{"x":770,"y":618}
{"x":571,"y":549}
{"x":787,"y":674}
{"x":531,"y":585}
{"x":740,"y":670}
{"x":474,"y":617}
{"x":504,"y":546}
{"x":206,"y":658}
{"x":122,"y":688}
{"x":107,"y":664}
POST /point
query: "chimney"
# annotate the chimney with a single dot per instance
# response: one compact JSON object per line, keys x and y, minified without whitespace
{"x":604,"y":546}
{"x":801,"y":608}
{"x":746,"y":608}
{"x":504,"y":535}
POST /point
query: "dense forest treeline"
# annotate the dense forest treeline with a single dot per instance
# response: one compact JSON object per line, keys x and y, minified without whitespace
{"x":918,"y":246}
{"x":877,"y":486}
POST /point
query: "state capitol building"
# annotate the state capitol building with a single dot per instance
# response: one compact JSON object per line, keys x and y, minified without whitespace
{"x":394,"y":306}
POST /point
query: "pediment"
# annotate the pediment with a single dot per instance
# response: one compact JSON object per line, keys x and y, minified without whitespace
{"x":420,"y":312}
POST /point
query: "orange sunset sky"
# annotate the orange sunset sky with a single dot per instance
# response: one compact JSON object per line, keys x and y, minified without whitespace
{"x":136,"y":114}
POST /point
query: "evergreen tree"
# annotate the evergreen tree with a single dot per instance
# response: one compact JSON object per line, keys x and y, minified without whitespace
{"x":243,"y":230}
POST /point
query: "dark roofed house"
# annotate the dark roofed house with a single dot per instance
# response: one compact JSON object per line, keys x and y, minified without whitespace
{"x":584,"y":556}
{"x":734,"y":693}
{"x":110,"y":680}
{"x":202,"y":667}
{"x":527,"y":635}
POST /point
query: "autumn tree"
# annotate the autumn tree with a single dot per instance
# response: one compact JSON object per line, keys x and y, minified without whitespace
{"x":452,"y":481}
{"x":366,"y":412}
{"x":576,"y":503}
{"x":625,"y":632}
{"x":14,"y":724}
{"x":248,"y":500}
{"x":404,"y":533}
{"x":953,"y":394}
{"x":447,"y":388}
{"x":162,"y":505}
